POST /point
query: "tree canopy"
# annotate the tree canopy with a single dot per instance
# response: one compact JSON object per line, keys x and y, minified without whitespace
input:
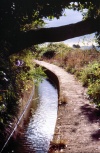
{"x":21,"y":22}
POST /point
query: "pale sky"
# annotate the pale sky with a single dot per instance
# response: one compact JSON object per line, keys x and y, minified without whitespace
{"x":72,"y":17}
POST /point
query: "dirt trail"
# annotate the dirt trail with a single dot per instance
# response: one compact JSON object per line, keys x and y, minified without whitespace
{"x":78,"y":122}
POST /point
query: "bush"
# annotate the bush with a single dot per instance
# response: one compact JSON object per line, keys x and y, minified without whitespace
{"x":24,"y":71}
{"x":90,"y":74}
{"x":90,"y":77}
{"x":94,"y":92}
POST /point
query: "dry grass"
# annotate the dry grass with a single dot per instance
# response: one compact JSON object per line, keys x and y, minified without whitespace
{"x":77,"y":59}
{"x":57,"y":146}
{"x":63,"y":100}
{"x":74,"y":59}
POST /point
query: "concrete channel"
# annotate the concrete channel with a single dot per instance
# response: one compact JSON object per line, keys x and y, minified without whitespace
{"x":55,"y":73}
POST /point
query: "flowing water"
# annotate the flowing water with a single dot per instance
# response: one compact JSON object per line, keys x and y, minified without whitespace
{"x":39,"y":130}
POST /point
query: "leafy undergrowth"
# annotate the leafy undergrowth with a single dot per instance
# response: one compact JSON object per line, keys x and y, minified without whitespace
{"x":17,"y":75}
{"x":24,"y":70}
{"x":90,"y":77}
{"x":84,"y":64}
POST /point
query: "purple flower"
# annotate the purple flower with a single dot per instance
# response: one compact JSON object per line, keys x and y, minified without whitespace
{"x":19,"y":62}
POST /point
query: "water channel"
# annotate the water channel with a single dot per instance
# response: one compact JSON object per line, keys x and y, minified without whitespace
{"x":39,"y":129}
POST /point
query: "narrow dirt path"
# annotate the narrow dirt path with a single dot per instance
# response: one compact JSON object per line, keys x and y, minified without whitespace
{"x":78,"y":122}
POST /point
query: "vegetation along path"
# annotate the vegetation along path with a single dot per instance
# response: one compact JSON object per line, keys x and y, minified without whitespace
{"x":78,"y":122}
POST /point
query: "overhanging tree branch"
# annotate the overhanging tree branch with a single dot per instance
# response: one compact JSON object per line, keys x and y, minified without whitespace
{"x":55,"y":34}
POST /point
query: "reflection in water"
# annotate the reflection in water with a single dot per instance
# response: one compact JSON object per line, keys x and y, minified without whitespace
{"x":42,"y":123}
{"x":39,"y":131}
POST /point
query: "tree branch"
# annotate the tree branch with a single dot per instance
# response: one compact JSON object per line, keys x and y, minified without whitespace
{"x":54,"y":34}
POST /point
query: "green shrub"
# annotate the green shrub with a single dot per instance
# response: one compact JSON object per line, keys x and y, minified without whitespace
{"x":90,"y":74}
{"x":94,"y":92}
{"x":53,"y":50}
{"x":24,"y":71}
{"x":90,"y":77}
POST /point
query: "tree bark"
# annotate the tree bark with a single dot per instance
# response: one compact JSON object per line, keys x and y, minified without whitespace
{"x":55,"y":34}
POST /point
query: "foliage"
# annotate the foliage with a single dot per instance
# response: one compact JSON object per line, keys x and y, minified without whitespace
{"x":90,"y":74}
{"x":94,"y":92}
{"x":8,"y":100}
{"x":92,"y":8}
{"x":90,"y":77}
{"x":24,"y":71}
{"x":54,"y":51}
{"x":17,"y":75}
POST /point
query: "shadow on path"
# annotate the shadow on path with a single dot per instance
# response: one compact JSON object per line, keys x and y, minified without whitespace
{"x":96,"y":135}
{"x":93,"y":116}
